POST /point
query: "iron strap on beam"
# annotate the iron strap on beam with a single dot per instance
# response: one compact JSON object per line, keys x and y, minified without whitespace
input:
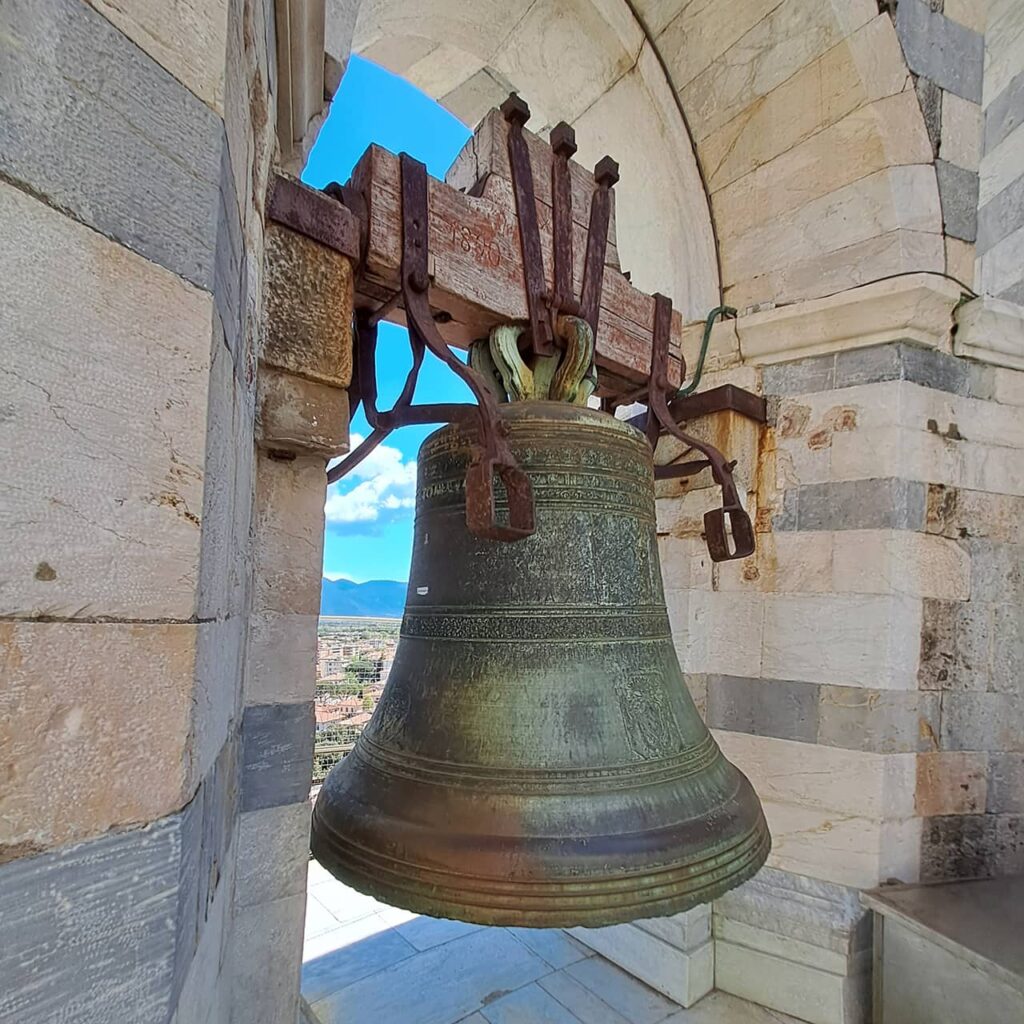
{"x":312,"y":213}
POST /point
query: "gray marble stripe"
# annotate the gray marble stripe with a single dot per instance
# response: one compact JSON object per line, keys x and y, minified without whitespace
{"x":96,"y":127}
{"x":105,"y":930}
{"x":848,"y":717}
{"x":1001,"y":215}
{"x":958,"y":195}
{"x":878,"y":363}
{"x":880,"y":504}
{"x":277,"y":754}
{"x":89,"y":930}
{"x":1015,"y":293}
{"x":1004,"y":113}
{"x":941,"y":49}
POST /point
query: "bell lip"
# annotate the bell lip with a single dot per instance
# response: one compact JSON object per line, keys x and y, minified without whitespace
{"x":597,"y":914}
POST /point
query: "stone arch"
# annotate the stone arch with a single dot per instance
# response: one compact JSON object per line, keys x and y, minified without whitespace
{"x":814,"y":170}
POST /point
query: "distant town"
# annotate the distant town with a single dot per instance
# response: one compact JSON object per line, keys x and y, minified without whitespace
{"x":354,"y":658}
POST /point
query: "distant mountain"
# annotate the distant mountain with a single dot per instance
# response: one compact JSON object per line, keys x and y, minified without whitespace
{"x":382,"y":599}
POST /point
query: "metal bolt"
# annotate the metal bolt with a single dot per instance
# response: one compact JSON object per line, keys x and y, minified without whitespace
{"x":515,"y":110}
{"x":563,"y":140}
{"x":606,"y":173}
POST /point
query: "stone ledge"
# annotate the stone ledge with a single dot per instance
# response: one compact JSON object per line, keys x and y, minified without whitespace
{"x":991,"y":331}
{"x":916,"y":308}
{"x":301,"y":416}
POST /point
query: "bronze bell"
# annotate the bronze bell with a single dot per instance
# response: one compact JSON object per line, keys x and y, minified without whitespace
{"x":535,"y":758}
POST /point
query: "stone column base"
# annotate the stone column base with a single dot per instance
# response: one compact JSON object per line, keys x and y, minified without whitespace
{"x":674,"y":955}
{"x":797,"y":945}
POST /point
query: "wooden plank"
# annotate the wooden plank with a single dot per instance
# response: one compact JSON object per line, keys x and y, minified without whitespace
{"x":476,"y":266}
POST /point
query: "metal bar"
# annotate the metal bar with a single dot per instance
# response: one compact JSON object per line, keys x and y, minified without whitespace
{"x":606,"y":173}
{"x":679,"y":469}
{"x":727,"y":397}
{"x":316,"y":215}
{"x":517,"y":113}
{"x":659,"y":417}
{"x":491,"y":452}
{"x":563,"y":146}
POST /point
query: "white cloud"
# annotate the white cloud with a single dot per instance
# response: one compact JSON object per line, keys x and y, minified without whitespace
{"x":387,"y":483}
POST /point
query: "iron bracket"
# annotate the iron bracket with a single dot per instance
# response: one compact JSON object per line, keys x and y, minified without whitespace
{"x":491,"y":455}
{"x":659,"y":419}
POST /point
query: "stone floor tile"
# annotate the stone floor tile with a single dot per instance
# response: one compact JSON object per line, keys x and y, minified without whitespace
{"x":529,"y":1005}
{"x":343,"y":935}
{"x":720,"y":1008}
{"x":580,"y":1000}
{"x":427,"y":932}
{"x":346,"y":904}
{"x":348,"y":963}
{"x":438,"y":986}
{"x":318,"y":918}
{"x":552,"y":945}
{"x":621,"y":991}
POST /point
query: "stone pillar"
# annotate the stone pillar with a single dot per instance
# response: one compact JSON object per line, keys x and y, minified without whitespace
{"x":134,"y":150}
{"x":301,"y":422}
{"x":1001,"y":195}
{"x":863,"y":667}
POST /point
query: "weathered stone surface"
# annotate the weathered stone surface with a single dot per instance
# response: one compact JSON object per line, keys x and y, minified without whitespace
{"x":958,"y":192}
{"x":790,"y":985}
{"x":915,"y":308}
{"x":687,"y":930}
{"x":273,"y":853}
{"x":865,"y":66}
{"x":1004,"y":112}
{"x":983,"y":721}
{"x":900,"y":562}
{"x":1000,"y":167}
{"x":795,"y":906}
{"x":197,"y":999}
{"x":1005,"y":784}
{"x":843,"y":781}
{"x":265,"y":987}
{"x":885,"y":133}
{"x":101,"y":520}
{"x":941,"y":49}
{"x":1002,"y":214}
{"x":764,"y":707}
{"x":1000,"y":273}
{"x":972,"y":846}
{"x":187,"y":39}
{"x":281,"y":658}
{"x":277,"y":754}
{"x":960,"y":513}
{"x":666,"y":250}
{"x":1007,"y":648}
{"x":961,"y":132}
{"x":761,"y":45}
{"x":95,"y":720}
{"x":896,"y":198}
{"x":855,"y":640}
{"x":122,"y":144}
{"x":951,"y":782}
{"x":207,"y":860}
{"x":929,"y":96}
{"x":960,"y":257}
{"x":883,"y":721}
{"x":112,"y":957}
{"x":884,"y":504}
{"x":971,"y":14}
{"x":684,"y":977}
{"x":288,"y":523}
{"x":307,"y":313}
{"x":956,"y":638}
{"x":301,"y":416}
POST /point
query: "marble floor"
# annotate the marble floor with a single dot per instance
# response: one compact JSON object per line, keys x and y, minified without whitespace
{"x":367,"y":963}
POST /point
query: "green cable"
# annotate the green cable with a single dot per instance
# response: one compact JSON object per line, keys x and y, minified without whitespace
{"x":718,"y":311}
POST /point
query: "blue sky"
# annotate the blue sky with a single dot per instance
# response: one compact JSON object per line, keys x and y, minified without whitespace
{"x":370,"y":512}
